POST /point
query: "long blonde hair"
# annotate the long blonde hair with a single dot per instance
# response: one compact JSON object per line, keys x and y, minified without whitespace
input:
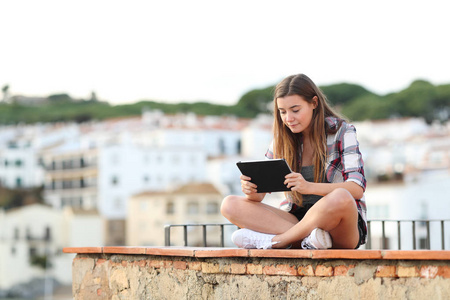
{"x":287,"y":144}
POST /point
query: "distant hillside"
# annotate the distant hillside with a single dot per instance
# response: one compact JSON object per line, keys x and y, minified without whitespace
{"x":420,"y":99}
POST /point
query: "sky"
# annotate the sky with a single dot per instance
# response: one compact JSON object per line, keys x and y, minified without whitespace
{"x":216,"y":51}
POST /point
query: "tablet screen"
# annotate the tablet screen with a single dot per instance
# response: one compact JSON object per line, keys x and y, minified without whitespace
{"x":268,"y":174}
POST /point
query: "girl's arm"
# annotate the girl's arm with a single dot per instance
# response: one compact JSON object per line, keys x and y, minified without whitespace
{"x":297,"y":183}
{"x":323,"y":189}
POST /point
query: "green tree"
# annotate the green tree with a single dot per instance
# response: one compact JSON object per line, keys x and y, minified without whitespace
{"x":342,"y":93}
{"x":441,"y":102}
{"x":59,"y":98}
{"x":255,"y":102}
{"x":367,"y":107}
{"x":414,"y":101}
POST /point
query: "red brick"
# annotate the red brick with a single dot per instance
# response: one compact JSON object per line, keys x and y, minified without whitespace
{"x":443,"y":271}
{"x":238,"y":269}
{"x":280,"y":270}
{"x":322,"y":270}
{"x":167,"y":264}
{"x":306,"y":270}
{"x":195,"y":265}
{"x":181,"y":265}
{"x":408,"y":271}
{"x":99,"y":292}
{"x":428,"y":271}
{"x":142,"y":263}
{"x":342,"y":270}
{"x":100,"y":261}
{"x":253,"y":269}
{"x":386,"y":271}
{"x":155,"y":264}
{"x":210,"y":268}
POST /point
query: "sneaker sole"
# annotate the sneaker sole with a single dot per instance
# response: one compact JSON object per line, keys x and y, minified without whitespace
{"x":323,"y":238}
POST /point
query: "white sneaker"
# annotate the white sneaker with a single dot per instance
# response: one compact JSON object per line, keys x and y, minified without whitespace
{"x":317,"y":239}
{"x":249,"y":239}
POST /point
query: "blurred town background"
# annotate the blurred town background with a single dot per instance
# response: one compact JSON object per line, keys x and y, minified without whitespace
{"x":82,"y":172}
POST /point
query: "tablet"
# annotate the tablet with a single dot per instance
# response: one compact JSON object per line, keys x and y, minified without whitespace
{"x":267,"y":174}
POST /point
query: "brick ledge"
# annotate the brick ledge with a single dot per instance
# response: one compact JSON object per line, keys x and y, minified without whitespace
{"x":275,"y":253}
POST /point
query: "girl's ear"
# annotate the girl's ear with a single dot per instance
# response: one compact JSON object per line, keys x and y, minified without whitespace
{"x":315,"y":101}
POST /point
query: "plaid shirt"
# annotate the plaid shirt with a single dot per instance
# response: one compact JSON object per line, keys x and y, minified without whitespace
{"x":344,"y":161}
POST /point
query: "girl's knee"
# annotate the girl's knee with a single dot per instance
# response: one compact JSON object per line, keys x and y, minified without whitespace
{"x":228,"y":206}
{"x":341,"y":199}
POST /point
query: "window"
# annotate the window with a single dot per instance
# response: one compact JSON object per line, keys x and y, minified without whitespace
{"x":222,"y":146}
{"x":19,"y":163}
{"x":114,"y":180}
{"x":16,"y":234}
{"x":33,"y":251}
{"x":238,"y":146}
{"x":48,"y":234}
{"x":170,"y":208}
{"x":18,"y":182}
{"x":212,"y":208}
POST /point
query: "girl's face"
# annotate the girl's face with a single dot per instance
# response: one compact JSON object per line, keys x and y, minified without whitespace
{"x":296,"y":113}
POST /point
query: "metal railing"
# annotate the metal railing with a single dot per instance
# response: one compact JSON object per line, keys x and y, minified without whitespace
{"x":401,"y":226}
{"x":414,"y":225}
{"x":204,"y":233}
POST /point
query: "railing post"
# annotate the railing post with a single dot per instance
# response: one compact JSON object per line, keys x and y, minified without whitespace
{"x":167,"y":235}
{"x":185,"y":235}
{"x":414,"y":234}
{"x":399,"y":236}
{"x":369,"y":235}
{"x":428,"y":234}
{"x":222,"y":236}
{"x":204,"y":235}
{"x":383,"y":235}
{"x":442,"y":235}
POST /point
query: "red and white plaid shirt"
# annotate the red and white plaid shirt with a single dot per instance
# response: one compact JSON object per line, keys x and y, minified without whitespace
{"x":344,"y":161}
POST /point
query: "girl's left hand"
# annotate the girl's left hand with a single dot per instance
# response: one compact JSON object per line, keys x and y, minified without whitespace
{"x":297,"y":183}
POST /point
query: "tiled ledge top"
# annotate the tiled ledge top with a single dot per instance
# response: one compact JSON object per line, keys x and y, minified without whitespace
{"x":272,"y":253}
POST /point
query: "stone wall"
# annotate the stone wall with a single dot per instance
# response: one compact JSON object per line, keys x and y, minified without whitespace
{"x":236,"y":276}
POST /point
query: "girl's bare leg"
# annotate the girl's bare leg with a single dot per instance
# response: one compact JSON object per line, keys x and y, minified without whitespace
{"x":335,"y":213}
{"x":256,"y":216}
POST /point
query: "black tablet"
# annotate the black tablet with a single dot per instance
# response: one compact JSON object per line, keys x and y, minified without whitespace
{"x":268,"y":174}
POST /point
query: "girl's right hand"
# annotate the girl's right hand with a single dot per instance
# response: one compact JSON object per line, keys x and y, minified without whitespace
{"x":248,"y":188}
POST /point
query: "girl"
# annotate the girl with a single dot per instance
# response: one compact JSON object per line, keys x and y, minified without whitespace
{"x":326,"y":207}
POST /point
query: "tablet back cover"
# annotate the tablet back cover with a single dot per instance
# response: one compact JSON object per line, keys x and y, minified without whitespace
{"x":268,"y":175}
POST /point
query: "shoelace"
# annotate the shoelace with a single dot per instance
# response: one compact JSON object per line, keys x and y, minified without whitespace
{"x":260,"y":242}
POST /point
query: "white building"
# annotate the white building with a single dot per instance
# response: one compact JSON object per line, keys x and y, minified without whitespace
{"x":196,"y":203}
{"x":39,"y":231}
